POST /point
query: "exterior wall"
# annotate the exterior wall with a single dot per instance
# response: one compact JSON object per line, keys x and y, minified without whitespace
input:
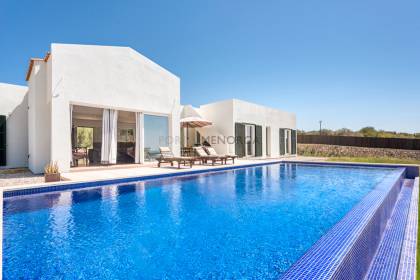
{"x":246,"y":112}
{"x":14,"y":105}
{"x":221,"y":115}
{"x":39,"y":118}
{"x":107,"y":77}
{"x":225,"y":114}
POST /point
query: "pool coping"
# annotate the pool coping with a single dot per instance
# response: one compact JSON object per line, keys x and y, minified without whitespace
{"x":408,"y":259}
{"x":69,"y":185}
{"x":413,"y":170}
{"x":347,"y":248}
{"x":10,"y":191}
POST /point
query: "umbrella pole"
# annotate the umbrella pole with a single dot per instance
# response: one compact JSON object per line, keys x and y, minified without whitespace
{"x":188,"y":136}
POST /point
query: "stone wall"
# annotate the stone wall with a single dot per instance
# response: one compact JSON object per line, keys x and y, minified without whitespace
{"x":321,"y":150}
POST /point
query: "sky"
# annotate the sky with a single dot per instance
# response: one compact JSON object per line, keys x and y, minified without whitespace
{"x":348,"y":63}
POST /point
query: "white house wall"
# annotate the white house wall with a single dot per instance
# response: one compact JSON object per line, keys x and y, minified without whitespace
{"x":221,"y":115}
{"x":225,"y":114}
{"x":14,"y":105}
{"x":246,"y":112}
{"x":39,"y":118}
{"x":107,"y":77}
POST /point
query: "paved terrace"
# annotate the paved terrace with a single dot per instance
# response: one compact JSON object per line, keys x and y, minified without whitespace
{"x":26,"y":179}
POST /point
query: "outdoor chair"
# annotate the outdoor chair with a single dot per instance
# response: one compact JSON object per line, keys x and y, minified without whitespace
{"x":206,"y":157}
{"x":80,"y":153}
{"x":166,"y":156}
{"x":212,"y":152}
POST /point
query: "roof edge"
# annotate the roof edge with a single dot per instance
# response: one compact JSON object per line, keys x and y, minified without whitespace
{"x":31,"y":64}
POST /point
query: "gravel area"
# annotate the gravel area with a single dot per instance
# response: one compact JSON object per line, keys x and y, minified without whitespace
{"x":14,"y":178}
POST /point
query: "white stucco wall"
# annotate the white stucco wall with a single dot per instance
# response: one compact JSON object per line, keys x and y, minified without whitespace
{"x":14,"y":105}
{"x":225,"y":114}
{"x":247,"y":112}
{"x":39,"y":117}
{"x":221,"y":115}
{"x":107,"y":77}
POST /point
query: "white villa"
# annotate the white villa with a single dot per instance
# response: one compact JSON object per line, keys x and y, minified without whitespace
{"x":129,"y":106}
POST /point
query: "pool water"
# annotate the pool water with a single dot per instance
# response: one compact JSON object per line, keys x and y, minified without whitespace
{"x":248,"y":223}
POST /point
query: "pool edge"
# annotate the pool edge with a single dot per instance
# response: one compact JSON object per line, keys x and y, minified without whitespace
{"x":65,"y":185}
{"x":353,"y":241}
{"x":408,"y":260}
{"x":413,"y":170}
{"x":75,"y":185}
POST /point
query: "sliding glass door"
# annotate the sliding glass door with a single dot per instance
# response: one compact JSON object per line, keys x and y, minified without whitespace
{"x":249,"y":140}
{"x":287,"y":141}
{"x":156,"y":134}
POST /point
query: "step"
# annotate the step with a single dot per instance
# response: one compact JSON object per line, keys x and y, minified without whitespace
{"x":386,"y":261}
{"x":407,"y":267}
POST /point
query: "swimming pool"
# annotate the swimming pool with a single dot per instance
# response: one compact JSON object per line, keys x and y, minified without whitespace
{"x":245,"y":223}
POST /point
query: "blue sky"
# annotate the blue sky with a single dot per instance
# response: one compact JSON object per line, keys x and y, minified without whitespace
{"x":349,"y":63}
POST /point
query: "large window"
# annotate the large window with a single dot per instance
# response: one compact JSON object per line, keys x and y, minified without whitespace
{"x":156,"y":134}
{"x":126,"y":135}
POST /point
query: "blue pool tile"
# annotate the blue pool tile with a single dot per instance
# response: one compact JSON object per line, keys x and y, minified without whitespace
{"x":385,"y":264}
{"x":407,"y":267}
{"x":346,"y":250}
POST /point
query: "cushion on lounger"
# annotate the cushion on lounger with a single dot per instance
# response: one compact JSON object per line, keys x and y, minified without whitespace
{"x":166,"y":152}
{"x":211,"y":151}
{"x":200,"y":151}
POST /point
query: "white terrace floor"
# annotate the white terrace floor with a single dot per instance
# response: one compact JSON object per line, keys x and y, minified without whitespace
{"x":85,"y":174}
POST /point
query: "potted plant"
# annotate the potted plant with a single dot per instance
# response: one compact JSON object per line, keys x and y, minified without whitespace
{"x":52,"y":172}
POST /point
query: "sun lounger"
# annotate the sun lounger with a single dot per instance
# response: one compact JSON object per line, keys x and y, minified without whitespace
{"x":206,"y":157}
{"x":166,"y":156}
{"x":212,"y":152}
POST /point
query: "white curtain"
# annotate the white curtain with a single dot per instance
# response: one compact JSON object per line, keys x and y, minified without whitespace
{"x":139,"y":137}
{"x":109,"y":136}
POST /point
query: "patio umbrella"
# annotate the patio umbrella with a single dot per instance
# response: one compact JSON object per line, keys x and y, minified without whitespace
{"x":191,"y":118}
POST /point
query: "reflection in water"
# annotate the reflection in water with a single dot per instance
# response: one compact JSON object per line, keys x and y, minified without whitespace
{"x":125,"y":189}
{"x":30,"y":203}
{"x":140,"y":193}
{"x":110,"y":193}
{"x":87,"y":195}
{"x":175,"y":201}
{"x":61,"y":215}
{"x":62,"y":222}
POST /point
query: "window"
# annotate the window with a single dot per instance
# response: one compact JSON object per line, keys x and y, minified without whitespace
{"x":156,"y":134}
{"x":268,"y":141}
{"x":126,"y":135}
{"x":249,"y":140}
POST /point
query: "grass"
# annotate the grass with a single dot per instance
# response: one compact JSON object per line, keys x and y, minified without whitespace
{"x":375,"y":160}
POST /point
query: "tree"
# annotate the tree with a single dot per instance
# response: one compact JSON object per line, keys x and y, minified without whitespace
{"x":369,"y":131}
{"x":85,"y":137}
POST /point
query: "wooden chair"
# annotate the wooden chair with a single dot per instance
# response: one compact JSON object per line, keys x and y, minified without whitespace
{"x":166,"y":156}
{"x":212,"y":152}
{"x":78,"y":154}
{"x":206,"y":157}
